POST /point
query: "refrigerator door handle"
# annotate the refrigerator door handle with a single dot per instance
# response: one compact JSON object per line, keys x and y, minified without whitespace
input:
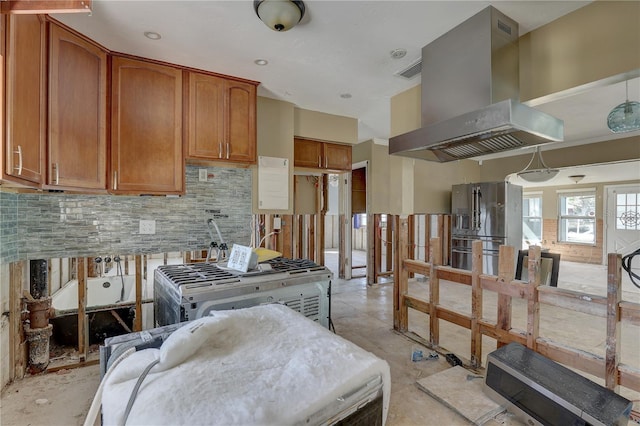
{"x":477,"y":210}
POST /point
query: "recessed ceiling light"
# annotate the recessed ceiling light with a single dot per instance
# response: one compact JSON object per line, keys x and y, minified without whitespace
{"x":398,"y":53}
{"x":261,"y":62}
{"x":152,"y":35}
{"x":345,"y":95}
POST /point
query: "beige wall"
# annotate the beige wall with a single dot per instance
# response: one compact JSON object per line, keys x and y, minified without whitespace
{"x":326,"y":127}
{"x":275,"y":139}
{"x":427,"y":188}
{"x":595,"y":42}
{"x":279,"y":121}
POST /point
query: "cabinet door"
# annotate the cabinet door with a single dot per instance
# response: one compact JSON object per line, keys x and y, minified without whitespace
{"x":25,"y":103}
{"x":240,"y":122}
{"x":307,"y":153}
{"x":205,"y":116}
{"x":146,"y":128}
{"x":77,"y":112}
{"x":337,"y":156}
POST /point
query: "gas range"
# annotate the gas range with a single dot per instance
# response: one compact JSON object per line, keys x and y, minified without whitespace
{"x":190,"y":291}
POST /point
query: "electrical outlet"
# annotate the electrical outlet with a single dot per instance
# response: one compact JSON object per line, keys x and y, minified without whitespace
{"x":277,"y":223}
{"x":202,"y":175}
{"x":147,"y":226}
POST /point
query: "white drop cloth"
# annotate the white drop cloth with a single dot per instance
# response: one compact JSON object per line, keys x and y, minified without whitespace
{"x":265,"y":365}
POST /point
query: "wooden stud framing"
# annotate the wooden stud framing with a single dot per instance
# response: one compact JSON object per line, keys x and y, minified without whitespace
{"x":533,"y":305}
{"x":506,"y":271}
{"x":612,"y":307}
{"x":614,"y":297}
{"x":434,"y":293}
{"x":476,"y":304}
{"x":390,"y":254}
{"x":373,"y":248}
{"x":427,"y":237}
{"x":287,"y":236}
{"x":83,"y":323}
{"x":18,"y":352}
{"x":137,"y":322}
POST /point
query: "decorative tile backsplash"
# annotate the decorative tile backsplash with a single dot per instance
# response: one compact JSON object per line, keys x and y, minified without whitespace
{"x":47,"y":225}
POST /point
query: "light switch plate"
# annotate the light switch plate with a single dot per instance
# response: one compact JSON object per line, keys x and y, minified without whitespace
{"x":147,"y":226}
{"x":202,"y":175}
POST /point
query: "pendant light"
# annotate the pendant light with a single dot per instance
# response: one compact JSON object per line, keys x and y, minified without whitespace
{"x":625,"y":117}
{"x":540,"y":174}
{"x":279,"y":15}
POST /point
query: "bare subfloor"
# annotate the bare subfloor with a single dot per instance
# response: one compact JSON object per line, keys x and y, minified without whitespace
{"x":361,"y":314}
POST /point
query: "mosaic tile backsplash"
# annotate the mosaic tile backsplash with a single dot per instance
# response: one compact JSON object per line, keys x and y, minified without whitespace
{"x":46,"y":225}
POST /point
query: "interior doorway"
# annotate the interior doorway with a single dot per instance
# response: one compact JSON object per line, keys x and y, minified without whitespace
{"x":359,"y":225}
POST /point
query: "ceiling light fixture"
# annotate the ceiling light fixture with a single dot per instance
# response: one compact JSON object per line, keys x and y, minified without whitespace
{"x":576,"y":178}
{"x":152,"y":35}
{"x":398,"y":53}
{"x":345,"y":95}
{"x":625,"y":117}
{"x":279,"y":15}
{"x":261,"y":62}
{"x":541,"y":174}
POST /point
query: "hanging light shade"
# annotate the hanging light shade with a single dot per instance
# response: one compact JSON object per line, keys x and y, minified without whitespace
{"x":540,"y":174}
{"x":279,"y":15}
{"x":625,"y":117}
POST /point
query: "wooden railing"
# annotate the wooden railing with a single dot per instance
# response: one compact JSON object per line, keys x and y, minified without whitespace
{"x":612,"y":307}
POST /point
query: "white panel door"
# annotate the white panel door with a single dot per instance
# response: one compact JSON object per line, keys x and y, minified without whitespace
{"x":623,"y":219}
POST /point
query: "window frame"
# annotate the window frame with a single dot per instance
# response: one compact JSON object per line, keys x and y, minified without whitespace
{"x":533,"y":195}
{"x":561,"y":217}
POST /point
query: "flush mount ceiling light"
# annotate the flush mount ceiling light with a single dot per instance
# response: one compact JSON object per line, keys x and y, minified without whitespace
{"x":398,"y":53}
{"x":261,"y":62}
{"x":625,"y":117}
{"x":576,"y":178}
{"x":541,"y":174}
{"x":152,"y":35}
{"x":279,"y":15}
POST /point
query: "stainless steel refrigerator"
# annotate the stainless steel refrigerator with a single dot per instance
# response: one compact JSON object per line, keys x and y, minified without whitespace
{"x":490,"y":212}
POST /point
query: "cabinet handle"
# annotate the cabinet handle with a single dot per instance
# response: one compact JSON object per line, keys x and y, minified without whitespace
{"x":56,"y":175}
{"x":326,"y":162}
{"x":19,"y":152}
{"x":115,"y":180}
{"x":227,"y":150}
{"x":319,"y":161}
{"x":220,"y":154}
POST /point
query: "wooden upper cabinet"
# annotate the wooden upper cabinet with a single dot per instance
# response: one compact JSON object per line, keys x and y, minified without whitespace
{"x":307,"y":153}
{"x":205,"y":115}
{"x":146,"y":128}
{"x":337,"y":157}
{"x":321,"y":155}
{"x":240,"y":121}
{"x":220,"y":118}
{"x":25,"y":137}
{"x":77,"y":112}
{"x":44,"y":6}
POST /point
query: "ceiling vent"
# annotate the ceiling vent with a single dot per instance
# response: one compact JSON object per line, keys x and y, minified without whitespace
{"x":411,"y":71}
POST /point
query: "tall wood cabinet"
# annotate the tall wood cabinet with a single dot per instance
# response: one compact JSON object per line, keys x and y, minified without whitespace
{"x":77,"y":146}
{"x":220,"y":118}
{"x":25,"y":91}
{"x":146,"y":128}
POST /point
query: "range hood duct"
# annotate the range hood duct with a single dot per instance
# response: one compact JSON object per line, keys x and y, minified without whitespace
{"x":470,"y":95}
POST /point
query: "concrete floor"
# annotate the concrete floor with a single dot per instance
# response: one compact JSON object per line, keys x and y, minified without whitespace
{"x":363,"y":315}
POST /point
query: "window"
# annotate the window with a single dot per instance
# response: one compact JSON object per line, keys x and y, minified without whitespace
{"x":531,"y":220}
{"x":628,"y":211}
{"x":577,"y":220}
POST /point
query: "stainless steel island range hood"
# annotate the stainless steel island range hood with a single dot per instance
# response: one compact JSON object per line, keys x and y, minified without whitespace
{"x":470,"y":93}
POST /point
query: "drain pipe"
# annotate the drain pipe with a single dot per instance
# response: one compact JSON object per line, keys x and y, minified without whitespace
{"x":38,"y":330}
